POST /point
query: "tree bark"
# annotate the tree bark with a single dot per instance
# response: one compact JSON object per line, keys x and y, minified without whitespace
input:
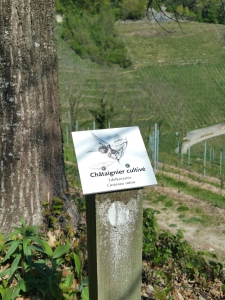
{"x":31,"y":160}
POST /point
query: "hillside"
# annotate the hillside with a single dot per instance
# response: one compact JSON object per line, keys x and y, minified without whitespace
{"x":176,"y":80}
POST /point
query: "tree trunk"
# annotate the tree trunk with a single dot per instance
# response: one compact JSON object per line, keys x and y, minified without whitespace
{"x":32,"y":167}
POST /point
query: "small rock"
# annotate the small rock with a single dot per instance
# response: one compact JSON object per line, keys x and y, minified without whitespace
{"x":150,"y":289}
{"x":202,"y":296}
{"x":145,"y":296}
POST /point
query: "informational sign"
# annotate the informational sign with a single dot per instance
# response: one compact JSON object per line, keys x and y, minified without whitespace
{"x":112,"y":159}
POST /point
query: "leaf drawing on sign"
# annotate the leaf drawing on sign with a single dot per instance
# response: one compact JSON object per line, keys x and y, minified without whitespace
{"x":115,"y":150}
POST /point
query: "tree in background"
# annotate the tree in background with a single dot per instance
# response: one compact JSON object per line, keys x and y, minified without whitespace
{"x":103,"y":114}
{"x":73,"y":92}
{"x":133,"y":9}
{"x":108,"y":107}
{"x":31,"y":155}
{"x":89,"y":29}
{"x":201,"y":11}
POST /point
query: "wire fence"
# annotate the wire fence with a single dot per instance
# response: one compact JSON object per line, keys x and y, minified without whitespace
{"x":197,"y":174}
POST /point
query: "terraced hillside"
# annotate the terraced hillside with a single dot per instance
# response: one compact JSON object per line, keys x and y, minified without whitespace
{"x":177,"y":80}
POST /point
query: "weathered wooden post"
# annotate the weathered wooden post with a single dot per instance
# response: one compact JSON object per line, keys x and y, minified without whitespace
{"x":113,"y":166}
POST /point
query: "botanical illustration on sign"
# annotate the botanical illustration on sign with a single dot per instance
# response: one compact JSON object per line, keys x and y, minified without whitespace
{"x":114,"y":151}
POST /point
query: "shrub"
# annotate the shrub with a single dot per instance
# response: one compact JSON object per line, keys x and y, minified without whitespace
{"x":95,"y":37}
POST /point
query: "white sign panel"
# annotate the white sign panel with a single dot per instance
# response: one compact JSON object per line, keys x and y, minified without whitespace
{"x":112,"y":159}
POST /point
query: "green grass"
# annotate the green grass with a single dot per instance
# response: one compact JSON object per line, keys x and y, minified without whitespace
{"x":187,"y":215}
{"x":169,"y":203}
{"x":148,"y":43}
{"x":194,"y":176}
{"x":73,"y":176}
{"x":193,"y":219}
{"x":173,"y":225}
{"x":195,"y":191}
{"x":182,"y":208}
{"x":69,"y":154}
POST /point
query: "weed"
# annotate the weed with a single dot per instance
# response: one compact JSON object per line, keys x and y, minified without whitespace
{"x":181,"y":216}
{"x":193,"y":190}
{"x":193,"y":220}
{"x":169,"y":203}
{"x":173,"y":225}
{"x":31,"y":265}
{"x":163,"y":248}
{"x":182,"y":208}
{"x":198,"y":210}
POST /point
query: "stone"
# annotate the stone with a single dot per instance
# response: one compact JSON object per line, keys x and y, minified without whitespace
{"x":149,"y":289}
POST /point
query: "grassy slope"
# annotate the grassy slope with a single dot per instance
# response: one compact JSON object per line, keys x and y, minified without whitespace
{"x":185,"y":73}
{"x":176,"y":80}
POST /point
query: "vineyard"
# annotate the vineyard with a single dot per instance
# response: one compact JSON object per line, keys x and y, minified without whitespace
{"x":177,"y":81}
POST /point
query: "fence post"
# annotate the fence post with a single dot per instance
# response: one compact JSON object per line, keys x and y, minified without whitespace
{"x":157,"y":152}
{"x":114,"y":234}
{"x":69,"y":119}
{"x":210,"y":157}
{"x":221,"y":162}
{"x":155,"y":148}
{"x":189,"y":155}
{"x":204,"y":162}
{"x":67,"y":136}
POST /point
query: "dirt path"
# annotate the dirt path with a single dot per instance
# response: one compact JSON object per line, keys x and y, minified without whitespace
{"x":208,"y":235}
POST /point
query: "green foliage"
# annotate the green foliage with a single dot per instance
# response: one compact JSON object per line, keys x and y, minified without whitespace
{"x":163,"y":248}
{"x":32,"y":265}
{"x":21,"y":248}
{"x":192,"y":190}
{"x":103,"y":114}
{"x":93,"y":36}
{"x":182,"y":208}
{"x":180,"y":9}
{"x":201,"y":11}
{"x":169,"y":203}
{"x":133,"y":9}
{"x":55,"y":213}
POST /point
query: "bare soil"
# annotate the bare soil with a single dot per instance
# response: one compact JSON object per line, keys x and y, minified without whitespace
{"x":208,"y":235}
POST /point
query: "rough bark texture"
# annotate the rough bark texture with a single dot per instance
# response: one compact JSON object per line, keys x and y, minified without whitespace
{"x":31,"y":162}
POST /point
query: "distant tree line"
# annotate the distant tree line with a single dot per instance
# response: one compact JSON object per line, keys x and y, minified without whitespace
{"x":207,"y":11}
{"x":89,"y":25}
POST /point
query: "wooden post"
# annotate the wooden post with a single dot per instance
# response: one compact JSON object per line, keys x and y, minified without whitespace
{"x":114,"y":233}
